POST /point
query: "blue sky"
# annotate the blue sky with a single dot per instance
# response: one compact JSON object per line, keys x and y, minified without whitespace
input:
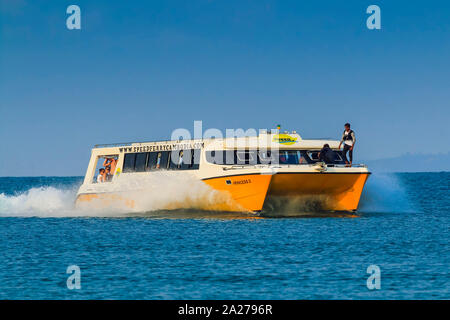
{"x":139,"y":69}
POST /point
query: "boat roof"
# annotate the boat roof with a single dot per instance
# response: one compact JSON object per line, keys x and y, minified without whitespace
{"x":285,"y":140}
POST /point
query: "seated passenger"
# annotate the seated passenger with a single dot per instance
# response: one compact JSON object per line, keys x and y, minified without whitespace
{"x":283,"y":159}
{"x":158,"y":161}
{"x":101,"y":175}
{"x":180,"y":160}
{"x":108,"y":175}
{"x":326,"y":154}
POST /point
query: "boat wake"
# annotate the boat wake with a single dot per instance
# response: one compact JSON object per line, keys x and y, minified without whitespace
{"x":40,"y":201}
{"x":383,"y":193}
{"x":150,"y":196}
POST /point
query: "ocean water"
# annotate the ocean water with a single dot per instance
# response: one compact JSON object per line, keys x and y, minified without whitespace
{"x":402,"y":227}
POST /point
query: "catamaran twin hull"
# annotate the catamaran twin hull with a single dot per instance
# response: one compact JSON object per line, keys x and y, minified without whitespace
{"x":244,"y":181}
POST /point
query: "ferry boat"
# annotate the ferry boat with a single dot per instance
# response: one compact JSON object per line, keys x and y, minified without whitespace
{"x":248,"y":173}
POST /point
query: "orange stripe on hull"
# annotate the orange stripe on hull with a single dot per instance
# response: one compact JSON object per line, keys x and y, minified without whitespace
{"x":104,"y":200}
{"x":211,"y":201}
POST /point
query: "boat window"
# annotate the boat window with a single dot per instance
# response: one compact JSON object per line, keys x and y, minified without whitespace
{"x":164,"y":160}
{"x":265,"y":157}
{"x":221,"y":157}
{"x":289,"y":157}
{"x":181,"y":160}
{"x":229,"y":157}
{"x":196,"y":159}
{"x":152,"y":159}
{"x":185,"y":159}
{"x":241,"y":157}
{"x":301,"y":158}
{"x":105,"y":168}
{"x":188,"y":159}
{"x":128,"y":162}
{"x":338,"y":157}
{"x":233,"y":157}
{"x":252,"y":157}
{"x":246,"y":157}
{"x":313,"y":155}
{"x":141,"y":162}
{"x":156,"y":160}
{"x":214,"y":157}
{"x":175,"y":159}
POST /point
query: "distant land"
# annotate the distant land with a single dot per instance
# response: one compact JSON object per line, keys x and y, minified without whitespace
{"x":412,"y":163}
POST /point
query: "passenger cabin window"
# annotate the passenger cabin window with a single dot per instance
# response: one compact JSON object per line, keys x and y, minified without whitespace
{"x":252,"y":157}
{"x":176,"y":157}
{"x":265,"y":157}
{"x":150,"y":161}
{"x":157,"y":160}
{"x":338,"y":157}
{"x":185,"y":159}
{"x":313,"y":155}
{"x":291,"y":157}
{"x":247,"y":157}
{"x":196,"y":159}
{"x":240,"y":157}
{"x":105,"y":168}
{"x":164,"y":160}
{"x":227,"y":157}
{"x":128,"y":162}
{"x":141,"y":162}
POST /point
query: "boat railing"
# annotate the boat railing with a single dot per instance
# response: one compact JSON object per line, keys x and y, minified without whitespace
{"x":137,"y":143}
{"x":112,"y":145}
{"x":279,"y":166}
{"x":358,"y":165}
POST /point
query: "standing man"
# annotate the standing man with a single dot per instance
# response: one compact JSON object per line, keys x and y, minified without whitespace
{"x":348,"y":137}
{"x":112,"y":163}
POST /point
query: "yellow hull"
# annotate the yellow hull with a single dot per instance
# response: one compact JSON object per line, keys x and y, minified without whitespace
{"x":256,"y":192}
{"x":333,"y":191}
{"x":249,"y":190}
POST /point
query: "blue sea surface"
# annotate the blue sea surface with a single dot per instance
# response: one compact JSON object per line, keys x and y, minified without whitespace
{"x":402,"y":227}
